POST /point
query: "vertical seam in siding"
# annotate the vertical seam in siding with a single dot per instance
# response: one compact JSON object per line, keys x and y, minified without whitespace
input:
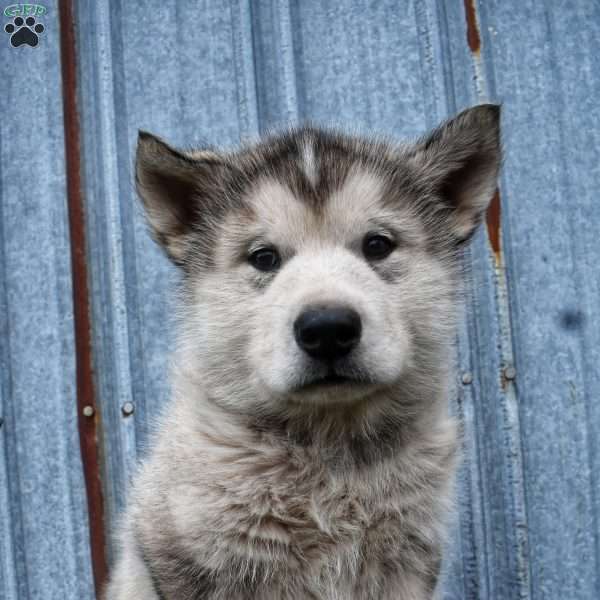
{"x":88,"y":425}
{"x":288,"y":59}
{"x":17,"y":558}
{"x":512,"y":426}
{"x":245,"y":69}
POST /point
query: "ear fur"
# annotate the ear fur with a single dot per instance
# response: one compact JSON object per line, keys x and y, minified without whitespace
{"x":461,"y":160}
{"x":171,"y":184}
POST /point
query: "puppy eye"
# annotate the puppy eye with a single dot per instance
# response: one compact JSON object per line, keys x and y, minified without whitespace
{"x":265,"y":259}
{"x":377,"y":247}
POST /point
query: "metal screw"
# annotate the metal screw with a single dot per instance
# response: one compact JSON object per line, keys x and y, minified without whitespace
{"x":88,"y":411}
{"x":510,"y":373}
{"x":127,"y":409}
{"x":467,"y":378}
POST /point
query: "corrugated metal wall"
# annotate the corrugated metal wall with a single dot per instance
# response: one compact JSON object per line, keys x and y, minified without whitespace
{"x":70,"y":283}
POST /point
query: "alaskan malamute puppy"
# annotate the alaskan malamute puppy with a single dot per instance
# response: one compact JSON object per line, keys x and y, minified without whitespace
{"x":307,"y":452}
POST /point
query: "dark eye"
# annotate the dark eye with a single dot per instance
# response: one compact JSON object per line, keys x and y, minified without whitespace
{"x":377,"y":247}
{"x":265,"y":259}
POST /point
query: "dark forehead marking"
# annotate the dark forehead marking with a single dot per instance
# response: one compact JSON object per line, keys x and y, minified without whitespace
{"x":282,"y":159}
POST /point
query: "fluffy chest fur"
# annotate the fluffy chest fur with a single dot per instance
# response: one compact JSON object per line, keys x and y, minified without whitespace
{"x":269,"y":518}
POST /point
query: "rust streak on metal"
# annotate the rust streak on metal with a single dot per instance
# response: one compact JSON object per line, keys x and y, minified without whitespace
{"x":88,"y":434}
{"x":473,"y":37}
{"x":493,"y":221}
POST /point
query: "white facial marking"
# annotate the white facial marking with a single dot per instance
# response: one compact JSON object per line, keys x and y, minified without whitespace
{"x":310,"y":162}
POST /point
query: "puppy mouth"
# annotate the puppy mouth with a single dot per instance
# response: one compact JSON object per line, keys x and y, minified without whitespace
{"x":332,"y":379}
{"x":329,"y":380}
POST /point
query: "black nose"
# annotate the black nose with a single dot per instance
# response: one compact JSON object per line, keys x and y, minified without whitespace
{"x":328,"y":333}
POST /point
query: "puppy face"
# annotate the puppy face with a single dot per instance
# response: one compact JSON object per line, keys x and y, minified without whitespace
{"x":319,"y":268}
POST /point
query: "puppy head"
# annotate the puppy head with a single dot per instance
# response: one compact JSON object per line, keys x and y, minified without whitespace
{"x":320,"y":268}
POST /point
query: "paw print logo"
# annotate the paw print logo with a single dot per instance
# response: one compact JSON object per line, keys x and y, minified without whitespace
{"x":24,"y":31}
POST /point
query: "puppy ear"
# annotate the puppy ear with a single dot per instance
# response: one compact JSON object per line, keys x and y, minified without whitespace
{"x":461,"y":160}
{"x":172,"y":185}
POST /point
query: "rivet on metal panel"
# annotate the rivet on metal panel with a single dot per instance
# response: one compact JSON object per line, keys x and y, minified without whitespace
{"x":88,"y":411}
{"x":510,"y":373}
{"x":467,"y":378}
{"x":127,"y":409}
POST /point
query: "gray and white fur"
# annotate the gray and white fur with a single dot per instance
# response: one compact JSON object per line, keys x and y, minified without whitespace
{"x":307,"y":451}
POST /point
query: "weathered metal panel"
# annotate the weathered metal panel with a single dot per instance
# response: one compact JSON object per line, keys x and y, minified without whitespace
{"x":394,"y":67}
{"x":497,"y":563}
{"x":248,"y":68}
{"x":542,"y":60}
{"x":44,"y":540}
{"x":220,"y":71}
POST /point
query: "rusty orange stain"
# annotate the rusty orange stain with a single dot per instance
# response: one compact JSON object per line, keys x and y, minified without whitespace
{"x":493,"y":222}
{"x":473,"y":38}
{"x":86,"y":395}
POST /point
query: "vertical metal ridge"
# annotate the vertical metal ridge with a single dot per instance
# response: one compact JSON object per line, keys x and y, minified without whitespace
{"x":514,"y":491}
{"x":245,"y":67}
{"x":286,"y":42}
{"x":274,"y":64}
{"x":14,"y":578}
{"x":432,"y":67}
{"x":88,"y":425}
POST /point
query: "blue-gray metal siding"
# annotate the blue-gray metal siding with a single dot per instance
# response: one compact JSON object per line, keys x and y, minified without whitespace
{"x":220,"y":71}
{"x":44,"y":548}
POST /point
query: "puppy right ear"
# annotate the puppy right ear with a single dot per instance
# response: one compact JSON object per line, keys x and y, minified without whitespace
{"x":461,"y":160}
{"x":173,"y":185}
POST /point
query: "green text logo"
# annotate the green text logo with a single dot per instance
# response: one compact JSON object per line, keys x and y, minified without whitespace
{"x":25,"y":10}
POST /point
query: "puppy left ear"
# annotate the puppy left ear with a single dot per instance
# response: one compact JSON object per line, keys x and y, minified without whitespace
{"x":175,"y":187}
{"x":461,"y":160}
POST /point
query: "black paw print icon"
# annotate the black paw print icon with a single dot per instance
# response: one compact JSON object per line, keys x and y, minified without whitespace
{"x":24,"y":31}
